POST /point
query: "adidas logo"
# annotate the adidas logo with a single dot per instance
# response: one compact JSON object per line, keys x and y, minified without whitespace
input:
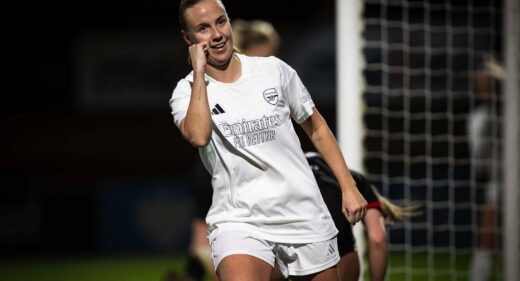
{"x":331,"y":250}
{"x":217,"y":110}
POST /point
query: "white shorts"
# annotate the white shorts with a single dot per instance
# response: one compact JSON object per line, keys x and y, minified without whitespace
{"x":293,"y":259}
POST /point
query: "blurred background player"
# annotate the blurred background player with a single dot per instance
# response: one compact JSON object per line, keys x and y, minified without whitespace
{"x":484,"y":139}
{"x":199,"y":260}
{"x":256,"y":38}
{"x":379,"y":210}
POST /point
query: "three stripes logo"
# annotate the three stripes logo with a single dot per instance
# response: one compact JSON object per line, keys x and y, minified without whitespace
{"x":217,"y":109}
{"x":331,"y":250}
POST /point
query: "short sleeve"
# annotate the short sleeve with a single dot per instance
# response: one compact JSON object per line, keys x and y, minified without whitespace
{"x":180,"y":100}
{"x":298,"y":98}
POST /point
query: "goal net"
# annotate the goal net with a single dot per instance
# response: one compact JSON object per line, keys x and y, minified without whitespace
{"x":422,"y":95}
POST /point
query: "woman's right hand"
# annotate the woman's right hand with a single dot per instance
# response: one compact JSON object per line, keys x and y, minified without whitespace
{"x":198,"y":53}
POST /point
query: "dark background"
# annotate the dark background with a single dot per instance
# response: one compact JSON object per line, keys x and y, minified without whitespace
{"x":92,"y":163}
{"x":88,"y":148}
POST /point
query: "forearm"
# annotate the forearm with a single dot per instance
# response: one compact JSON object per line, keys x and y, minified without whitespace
{"x":326,"y":144}
{"x":353,"y":204}
{"x":197,"y":126}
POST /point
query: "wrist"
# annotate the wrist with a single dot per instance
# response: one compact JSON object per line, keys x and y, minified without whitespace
{"x":198,"y":73}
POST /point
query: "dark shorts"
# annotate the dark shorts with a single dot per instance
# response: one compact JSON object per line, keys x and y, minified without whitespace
{"x":332,"y":197}
{"x":331,"y":193}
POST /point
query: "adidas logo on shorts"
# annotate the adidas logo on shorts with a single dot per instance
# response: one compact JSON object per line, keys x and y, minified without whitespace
{"x":331,"y":250}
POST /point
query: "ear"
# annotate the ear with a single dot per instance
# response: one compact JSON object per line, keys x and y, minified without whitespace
{"x":186,"y":38}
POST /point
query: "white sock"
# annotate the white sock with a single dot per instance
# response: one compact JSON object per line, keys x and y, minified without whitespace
{"x":480,"y":266}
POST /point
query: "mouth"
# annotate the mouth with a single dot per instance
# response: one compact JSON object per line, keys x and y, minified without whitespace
{"x":218,"y":46}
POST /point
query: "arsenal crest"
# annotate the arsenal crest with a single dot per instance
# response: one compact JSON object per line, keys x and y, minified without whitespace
{"x":271,"y":96}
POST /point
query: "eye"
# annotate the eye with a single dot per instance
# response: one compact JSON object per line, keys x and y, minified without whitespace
{"x":202,"y":28}
{"x":222,"y":21}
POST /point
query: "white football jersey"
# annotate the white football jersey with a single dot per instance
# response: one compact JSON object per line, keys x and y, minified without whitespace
{"x":261,"y":181}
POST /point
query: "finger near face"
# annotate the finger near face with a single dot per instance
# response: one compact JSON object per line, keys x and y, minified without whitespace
{"x":205,"y":23}
{"x":205,"y":46}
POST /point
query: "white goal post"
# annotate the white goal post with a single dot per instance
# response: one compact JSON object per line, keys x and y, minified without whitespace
{"x":349,"y":92}
{"x":511,"y":195}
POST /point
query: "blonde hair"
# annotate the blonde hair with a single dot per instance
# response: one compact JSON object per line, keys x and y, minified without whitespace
{"x":493,"y":67}
{"x":394,"y":212}
{"x":250,"y":33}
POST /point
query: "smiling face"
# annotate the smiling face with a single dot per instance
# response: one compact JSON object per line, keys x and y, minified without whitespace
{"x":207,"y":21}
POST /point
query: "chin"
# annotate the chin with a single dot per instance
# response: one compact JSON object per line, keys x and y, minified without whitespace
{"x":221,"y":60}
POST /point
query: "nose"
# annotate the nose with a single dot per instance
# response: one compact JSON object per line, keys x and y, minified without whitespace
{"x":217,"y":34}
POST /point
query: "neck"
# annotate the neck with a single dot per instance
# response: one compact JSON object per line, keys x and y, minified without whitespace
{"x":227,"y":73}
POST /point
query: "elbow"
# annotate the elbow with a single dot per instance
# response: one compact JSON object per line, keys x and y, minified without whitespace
{"x":200,"y":142}
{"x":197,"y":137}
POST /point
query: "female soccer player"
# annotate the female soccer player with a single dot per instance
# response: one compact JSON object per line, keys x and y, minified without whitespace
{"x":237,"y":111}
